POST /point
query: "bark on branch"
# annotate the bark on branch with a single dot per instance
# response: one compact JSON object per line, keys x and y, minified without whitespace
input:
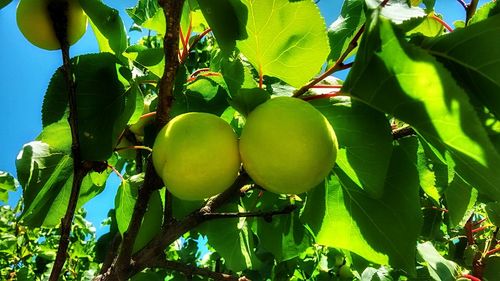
{"x":190,"y":270}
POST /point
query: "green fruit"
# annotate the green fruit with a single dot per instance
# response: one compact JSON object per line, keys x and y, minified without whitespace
{"x":345,"y":273}
{"x":287,"y":146}
{"x":151,"y":223}
{"x":34,"y":21}
{"x":196,"y":155}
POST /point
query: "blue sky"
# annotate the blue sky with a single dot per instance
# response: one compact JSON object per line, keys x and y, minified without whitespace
{"x":25,"y":72}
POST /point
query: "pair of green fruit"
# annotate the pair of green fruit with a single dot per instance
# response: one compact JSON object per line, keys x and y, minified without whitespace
{"x":286,"y":146}
{"x":34,"y":21}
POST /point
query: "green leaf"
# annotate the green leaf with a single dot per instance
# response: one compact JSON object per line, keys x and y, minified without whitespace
{"x":284,"y":236}
{"x":460,"y":200}
{"x":491,"y":268}
{"x":57,"y":135}
{"x":432,"y":172}
{"x":232,"y":239}
{"x":286,"y":39}
{"x":427,"y":27}
{"x":399,"y":11}
{"x":104,"y":104}
{"x":4,"y":3}
{"x":46,"y":176}
{"x":125,"y":200}
{"x":365,"y":147}
{"x":342,"y":30}
{"x":485,"y":11}
{"x":227,"y":19}
{"x":107,"y":20}
{"x":237,"y":76}
{"x":438,"y":267}
{"x":467,"y":53}
{"x":246,"y":100}
{"x":493,"y":210}
{"x":406,"y":82}
{"x":7,"y":183}
{"x":144,"y":10}
{"x":150,"y":58}
{"x":383,"y":230}
{"x":202,"y":95}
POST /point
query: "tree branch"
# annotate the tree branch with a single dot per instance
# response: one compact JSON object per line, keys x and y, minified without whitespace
{"x":58,"y":15}
{"x":470,"y":10}
{"x":190,"y":270}
{"x":267,"y":215}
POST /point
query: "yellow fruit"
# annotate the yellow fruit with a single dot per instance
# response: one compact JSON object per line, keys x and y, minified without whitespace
{"x":196,"y":155}
{"x":287,"y":146}
{"x":34,"y":21}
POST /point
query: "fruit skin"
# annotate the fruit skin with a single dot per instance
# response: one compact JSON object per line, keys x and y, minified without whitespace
{"x":287,"y":146}
{"x":196,"y":155}
{"x":34,"y":21}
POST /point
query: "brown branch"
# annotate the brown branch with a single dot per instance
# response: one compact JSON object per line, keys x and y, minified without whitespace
{"x":403,"y":132}
{"x":113,"y":250}
{"x":177,"y":228}
{"x":172,"y":10}
{"x":190,"y":270}
{"x":58,"y":15}
{"x":470,"y":10}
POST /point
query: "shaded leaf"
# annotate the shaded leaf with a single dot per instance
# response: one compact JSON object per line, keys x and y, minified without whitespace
{"x":383,"y":230}
{"x":479,"y":71}
{"x":227,"y":19}
{"x":104,"y":105}
{"x":406,"y":82}
{"x":7,"y":183}
{"x":46,"y":176}
{"x":439,"y":267}
{"x":107,"y":20}
{"x":493,"y":210}
{"x":365,"y":147}
{"x":460,"y":200}
{"x":343,"y":29}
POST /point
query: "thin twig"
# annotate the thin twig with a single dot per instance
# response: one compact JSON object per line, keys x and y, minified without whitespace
{"x":462,"y":2}
{"x":190,"y":270}
{"x":267,"y":215}
{"x":58,"y":14}
{"x":403,"y":132}
{"x":339,"y":64}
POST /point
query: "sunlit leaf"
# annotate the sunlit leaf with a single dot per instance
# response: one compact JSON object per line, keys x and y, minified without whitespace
{"x":286,"y":39}
{"x":438,"y":267}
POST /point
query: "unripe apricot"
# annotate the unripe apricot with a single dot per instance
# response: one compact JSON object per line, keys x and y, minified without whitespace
{"x":196,"y":155}
{"x":34,"y":21}
{"x":287,"y":146}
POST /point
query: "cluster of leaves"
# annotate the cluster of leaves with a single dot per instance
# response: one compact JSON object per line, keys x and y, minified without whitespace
{"x":394,"y":207}
{"x":27,"y":253}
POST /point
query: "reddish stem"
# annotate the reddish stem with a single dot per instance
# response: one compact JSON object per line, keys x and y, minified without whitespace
{"x":470,"y":277}
{"x":443,"y":23}
{"x":479,"y":229}
{"x":117,"y":173}
{"x":206,"y":74}
{"x":326,"y":87}
{"x":200,"y":36}
{"x":491,"y":252}
{"x":136,"y":147}
{"x":468,"y":231}
{"x":153,"y":113}
{"x":479,"y":222}
{"x":198,"y":71}
{"x":324,"y":96}
{"x":184,"y":44}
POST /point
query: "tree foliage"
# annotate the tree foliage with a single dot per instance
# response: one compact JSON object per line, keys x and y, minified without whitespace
{"x":414,"y":194}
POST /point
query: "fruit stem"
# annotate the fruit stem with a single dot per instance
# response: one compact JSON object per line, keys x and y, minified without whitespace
{"x":134,"y":147}
{"x":442,"y":22}
{"x":117,"y":173}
